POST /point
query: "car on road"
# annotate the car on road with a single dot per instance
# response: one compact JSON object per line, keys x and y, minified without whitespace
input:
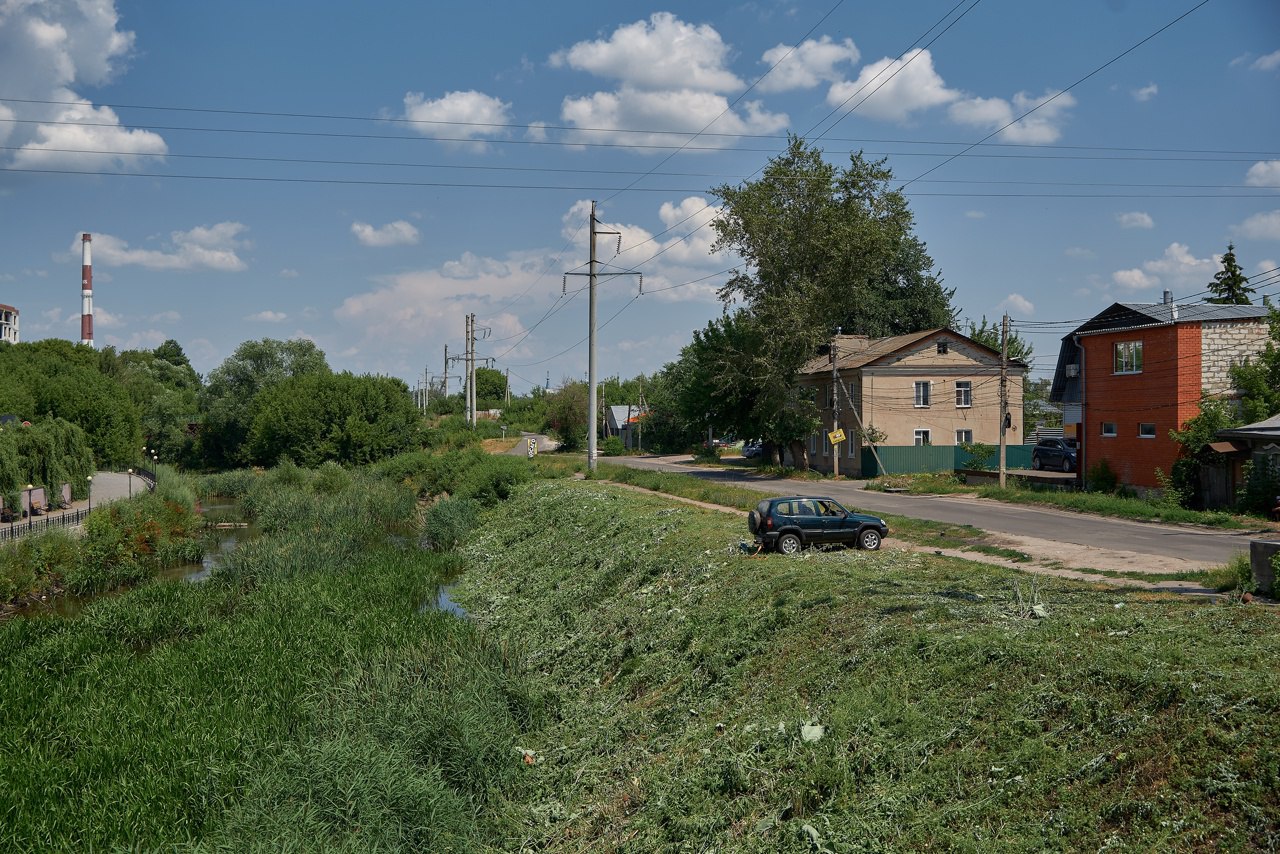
{"x":1059,"y":454}
{"x":751,"y":449}
{"x":792,"y":523}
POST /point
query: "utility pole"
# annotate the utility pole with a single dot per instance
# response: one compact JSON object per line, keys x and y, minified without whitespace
{"x":1004,"y":391}
{"x":835,"y":405}
{"x":466,"y":373}
{"x":593,"y":409}
{"x":508,"y":395}
{"x":446,"y":371}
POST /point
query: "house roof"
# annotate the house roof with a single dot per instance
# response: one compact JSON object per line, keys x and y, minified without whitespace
{"x":858,"y":351}
{"x":1268,"y":428}
{"x":1136,"y":315}
{"x":619,"y":415}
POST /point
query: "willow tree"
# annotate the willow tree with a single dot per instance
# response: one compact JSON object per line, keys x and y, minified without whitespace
{"x":825,"y":248}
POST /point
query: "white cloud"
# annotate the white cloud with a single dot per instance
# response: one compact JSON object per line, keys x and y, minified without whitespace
{"x":904,"y":86}
{"x":47,"y":51}
{"x":808,"y":65}
{"x":1270,"y":62}
{"x":1265,"y":173}
{"x":1041,"y":127}
{"x":288,"y":273}
{"x":398,"y":233}
{"x":672,"y":78}
{"x":1135,"y":219}
{"x":661,"y":53}
{"x":166,"y":317}
{"x":1017,"y":304}
{"x":1261,"y":226}
{"x":267,"y":317}
{"x":686,"y":111}
{"x":102,"y":318}
{"x":471,"y":266}
{"x":1146,"y":93}
{"x":1134,"y":279}
{"x":1266,"y":265}
{"x":975,"y":214}
{"x":469,"y":115}
{"x":202,"y":248}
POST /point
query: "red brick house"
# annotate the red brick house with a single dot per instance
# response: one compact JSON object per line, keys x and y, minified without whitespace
{"x":1132,"y":373}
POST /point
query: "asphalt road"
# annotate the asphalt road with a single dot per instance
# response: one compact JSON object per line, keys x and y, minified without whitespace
{"x":1189,"y":543}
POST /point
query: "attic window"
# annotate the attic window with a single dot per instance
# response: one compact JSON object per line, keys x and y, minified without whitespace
{"x":942,"y":348}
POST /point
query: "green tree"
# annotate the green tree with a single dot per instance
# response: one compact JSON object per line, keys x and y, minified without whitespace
{"x":491,"y":386}
{"x":166,"y":395}
{"x":228,"y":399}
{"x":1019,"y":349}
{"x":567,"y":414}
{"x":1230,"y":286}
{"x":1194,"y":453}
{"x":824,"y":248}
{"x":1258,"y":379}
{"x":315,"y":418}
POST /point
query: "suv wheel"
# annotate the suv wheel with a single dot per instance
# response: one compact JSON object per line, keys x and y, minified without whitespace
{"x":869,"y":539}
{"x":789,"y":544}
{"x":1035,"y":462}
{"x":1066,"y":464}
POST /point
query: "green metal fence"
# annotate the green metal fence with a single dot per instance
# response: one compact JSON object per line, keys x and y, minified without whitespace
{"x":911,"y":459}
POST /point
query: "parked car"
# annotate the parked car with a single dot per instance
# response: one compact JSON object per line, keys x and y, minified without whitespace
{"x":790,"y":524}
{"x":1057,"y":454}
{"x":751,"y":450}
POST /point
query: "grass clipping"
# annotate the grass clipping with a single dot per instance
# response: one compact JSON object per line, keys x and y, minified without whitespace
{"x":845,"y":700}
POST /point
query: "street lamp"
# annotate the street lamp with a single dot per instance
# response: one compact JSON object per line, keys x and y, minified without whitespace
{"x":31,"y":516}
{"x":89,"y":478}
{"x":130,"y":473}
{"x":155,"y":469}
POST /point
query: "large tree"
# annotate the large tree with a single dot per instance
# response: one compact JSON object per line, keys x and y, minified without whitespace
{"x":1230,"y":286}
{"x":227,"y":400}
{"x":825,"y":248}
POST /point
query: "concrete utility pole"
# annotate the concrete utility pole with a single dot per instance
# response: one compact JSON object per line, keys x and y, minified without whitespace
{"x":593,"y":412}
{"x":445,"y":392}
{"x":507,"y":400}
{"x":1004,"y":391}
{"x":466,"y":373}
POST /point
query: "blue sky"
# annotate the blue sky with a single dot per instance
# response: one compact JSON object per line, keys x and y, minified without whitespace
{"x":365,"y":175}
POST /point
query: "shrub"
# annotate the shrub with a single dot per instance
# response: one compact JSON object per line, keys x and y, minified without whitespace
{"x":613,"y":447}
{"x":449,"y":523}
{"x":1261,"y":487}
{"x":493,"y":479}
{"x":979,"y":455}
{"x":331,"y":478}
{"x":1102,"y":478}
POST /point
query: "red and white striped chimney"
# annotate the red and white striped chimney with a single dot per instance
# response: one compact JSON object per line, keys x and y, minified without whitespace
{"x":86,"y":290}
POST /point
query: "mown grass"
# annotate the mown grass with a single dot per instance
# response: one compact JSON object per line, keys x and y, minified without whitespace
{"x":684,"y":675}
{"x":298,"y":700}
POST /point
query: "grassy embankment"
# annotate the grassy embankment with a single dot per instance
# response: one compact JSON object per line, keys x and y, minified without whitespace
{"x":298,"y":700}
{"x":704,"y":700}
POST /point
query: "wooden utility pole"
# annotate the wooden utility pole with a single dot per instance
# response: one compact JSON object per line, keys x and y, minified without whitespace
{"x":1004,"y":392}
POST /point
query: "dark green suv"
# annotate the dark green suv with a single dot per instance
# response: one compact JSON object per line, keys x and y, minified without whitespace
{"x":791,"y":524}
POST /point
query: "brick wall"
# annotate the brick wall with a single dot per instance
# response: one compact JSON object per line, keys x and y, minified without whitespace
{"x":1165,"y":393}
{"x":1224,"y":344}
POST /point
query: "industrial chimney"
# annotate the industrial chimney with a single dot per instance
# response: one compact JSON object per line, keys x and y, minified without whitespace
{"x":86,"y":290}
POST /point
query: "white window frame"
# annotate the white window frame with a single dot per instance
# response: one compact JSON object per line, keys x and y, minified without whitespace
{"x":925,"y":386}
{"x":961,"y":440}
{"x":925,"y":435}
{"x":964,"y":394}
{"x":1126,"y":357}
{"x":1110,"y":434}
{"x":1142,"y":435}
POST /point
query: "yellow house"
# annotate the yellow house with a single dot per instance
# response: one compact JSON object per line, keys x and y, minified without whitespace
{"x":936,"y":387}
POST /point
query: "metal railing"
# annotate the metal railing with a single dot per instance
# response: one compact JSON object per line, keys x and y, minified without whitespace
{"x":35,"y":524}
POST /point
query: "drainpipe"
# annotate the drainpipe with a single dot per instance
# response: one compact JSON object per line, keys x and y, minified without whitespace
{"x":1084,"y":418}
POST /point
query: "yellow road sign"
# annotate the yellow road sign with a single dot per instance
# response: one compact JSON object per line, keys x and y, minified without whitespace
{"x":836,"y":436}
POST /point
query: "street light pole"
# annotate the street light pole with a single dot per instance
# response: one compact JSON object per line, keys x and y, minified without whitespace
{"x":31,"y":516}
{"x":90,"y":479}
{"x":130,"y":473}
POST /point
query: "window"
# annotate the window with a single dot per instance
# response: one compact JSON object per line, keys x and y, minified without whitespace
{"x":922,"y":393}
{"x":964,"y":437}
{"x":922,"y":437}
{"x":964,"y":393}
{"x":943,"y":347}
{"x":813,"y":444}
{"x":1146,"y":430}
{"x":1128,"y":357}
{"x":1108,"y":428}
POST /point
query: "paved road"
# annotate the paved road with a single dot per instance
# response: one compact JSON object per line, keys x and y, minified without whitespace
{"x":1189,"y":543}
{"x":545,"y":443}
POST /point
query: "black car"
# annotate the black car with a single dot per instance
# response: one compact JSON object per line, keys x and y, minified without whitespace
{"x":1057,"y":454}
{"x":790,"y":524}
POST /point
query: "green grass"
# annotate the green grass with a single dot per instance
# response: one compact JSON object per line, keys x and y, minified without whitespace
{"x":930,"y":483}
{"x":683,"y":674}
{"x":1105,"y":504}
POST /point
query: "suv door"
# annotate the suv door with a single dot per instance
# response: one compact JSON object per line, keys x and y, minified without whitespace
{"x":809,"y":519}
